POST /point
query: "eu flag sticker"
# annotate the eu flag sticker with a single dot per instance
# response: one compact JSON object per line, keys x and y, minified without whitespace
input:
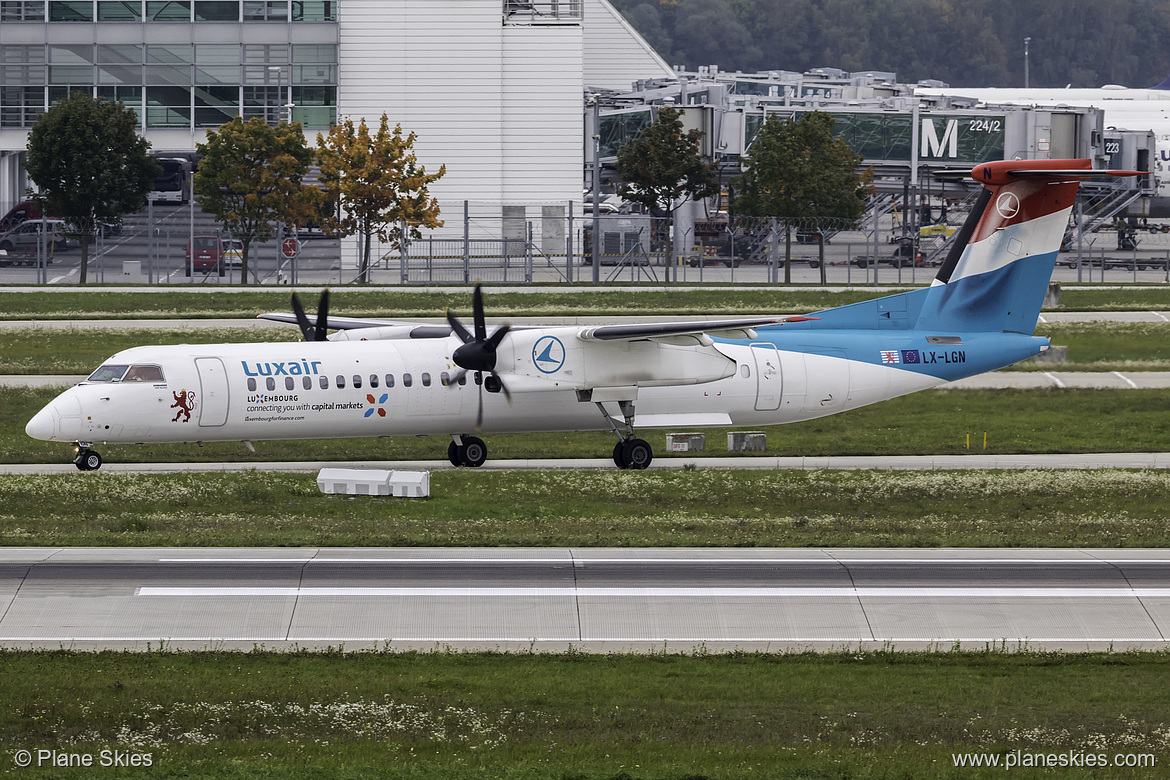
{"x":910,"y":356}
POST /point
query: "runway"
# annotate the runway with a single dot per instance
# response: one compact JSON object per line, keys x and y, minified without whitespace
{"x":593,"y":600}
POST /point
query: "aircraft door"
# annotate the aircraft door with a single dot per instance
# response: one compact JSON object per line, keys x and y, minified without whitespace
{"x":213,"y":392}
{"x":769,"y":380}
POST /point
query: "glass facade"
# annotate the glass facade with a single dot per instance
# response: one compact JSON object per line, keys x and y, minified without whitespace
{"x":179,"y":84}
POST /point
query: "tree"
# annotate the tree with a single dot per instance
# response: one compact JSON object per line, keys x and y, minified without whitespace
{"x":661,"y":168}
{"x":379,"y":182}
{"x":249,"y":179}
{"x":90,"y":164}
{"x":796,"y":169}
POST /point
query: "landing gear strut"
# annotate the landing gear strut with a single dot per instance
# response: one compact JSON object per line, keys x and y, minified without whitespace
{"x":86,"y":459}
{"x":467,"y":451}
{"x":629,"y":452}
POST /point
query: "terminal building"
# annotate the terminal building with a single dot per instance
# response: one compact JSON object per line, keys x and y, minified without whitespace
{"x":905,"y":132}
{"x":520,"y":99}
{"x":491,"y":87}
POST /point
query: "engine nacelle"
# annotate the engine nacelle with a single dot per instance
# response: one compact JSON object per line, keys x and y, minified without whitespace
{"x":557,"y":356}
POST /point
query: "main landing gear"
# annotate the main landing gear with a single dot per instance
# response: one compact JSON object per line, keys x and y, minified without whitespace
{"x":86,"y":459}
{"x":629,"y":452}
{"x":467,"y":451}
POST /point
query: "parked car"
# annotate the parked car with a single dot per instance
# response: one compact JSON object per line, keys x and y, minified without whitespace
{"x":20,"y":213}
{"x":20,"y":243}
{"x":233,"y":253}
{"x":207,"y":255}
{"x":904,"y":255}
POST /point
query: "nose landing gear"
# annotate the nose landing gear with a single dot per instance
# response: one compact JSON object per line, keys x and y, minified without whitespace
{"x":85,"y":458}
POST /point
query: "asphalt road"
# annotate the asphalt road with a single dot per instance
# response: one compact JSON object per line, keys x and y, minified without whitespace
{"x":597,"y":600}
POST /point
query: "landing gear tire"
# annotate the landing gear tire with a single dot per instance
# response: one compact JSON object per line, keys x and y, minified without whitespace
{"x":472,"y":453}
{"x":88,"y":460}
{"x":617,"y":454}
{"x":634,"y":454}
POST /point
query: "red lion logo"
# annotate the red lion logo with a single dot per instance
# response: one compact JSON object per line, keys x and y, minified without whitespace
{"x":185,"y":403}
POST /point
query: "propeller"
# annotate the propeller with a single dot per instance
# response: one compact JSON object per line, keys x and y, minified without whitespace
{"x":478,"y":352}
{"x":311,"y":332}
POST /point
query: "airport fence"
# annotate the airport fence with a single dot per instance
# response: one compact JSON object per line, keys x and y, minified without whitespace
{"x":558,"y":243}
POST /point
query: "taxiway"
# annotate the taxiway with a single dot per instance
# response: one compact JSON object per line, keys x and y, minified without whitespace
{"x":595,"y":600}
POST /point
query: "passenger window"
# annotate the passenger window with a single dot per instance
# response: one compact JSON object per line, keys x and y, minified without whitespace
{"x":144,"y":374}
{"x":426,"y":379}
{"x":340,"y":382}
{"x":288,"y":383}
{"x":357,"y":380}
{"x":463,"y":379}
{"x":389,"y":380}
{"x":407,"y":380}
{"x":307,"y":382}
{"x":271,"y":383}
{"x":251,"y":384}
{"x":373,"y":380}
{"x":444,"y":379}
{"x":324,"y":382}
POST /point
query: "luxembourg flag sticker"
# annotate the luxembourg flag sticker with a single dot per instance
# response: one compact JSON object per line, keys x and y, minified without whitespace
{"x":891,"y":356}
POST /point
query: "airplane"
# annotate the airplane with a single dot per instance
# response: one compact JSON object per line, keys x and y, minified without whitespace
{"x":379,"y":378}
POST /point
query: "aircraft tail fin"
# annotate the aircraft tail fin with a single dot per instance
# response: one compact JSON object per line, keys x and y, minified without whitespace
{"x":997,"y":272}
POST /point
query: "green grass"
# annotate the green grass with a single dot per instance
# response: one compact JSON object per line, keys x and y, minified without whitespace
{"x":721,"y":508}
{"x":53,"y":351}
{"x":837,"y":716}
{"x":1107,"y":346}
{"x":549,"y":301}
{"x":930,"y":422}
{"x":407,"y":302}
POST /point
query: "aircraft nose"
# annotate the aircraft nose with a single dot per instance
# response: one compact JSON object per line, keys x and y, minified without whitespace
{"x":43,"y":425}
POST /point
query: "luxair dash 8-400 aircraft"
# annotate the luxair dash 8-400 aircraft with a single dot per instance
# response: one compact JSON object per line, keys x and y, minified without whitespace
{"x":378,"y":378}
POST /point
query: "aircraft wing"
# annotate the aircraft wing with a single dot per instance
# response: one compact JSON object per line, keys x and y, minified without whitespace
{"x":339,"y":323}
{"x":651,"y":330}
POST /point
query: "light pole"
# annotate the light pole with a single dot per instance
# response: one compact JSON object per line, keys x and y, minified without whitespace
{"x":280,"y":104}
{"x":596,"y":101}
{"x":1026,"y":42}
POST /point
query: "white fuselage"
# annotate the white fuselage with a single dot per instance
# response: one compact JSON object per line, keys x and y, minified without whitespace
{"x":243,"y":392}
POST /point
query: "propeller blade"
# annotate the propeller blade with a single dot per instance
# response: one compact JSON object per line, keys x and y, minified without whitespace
{"x":477,"y":313}
{"x":302,"y":320}
{"x":498,"y":336}
{"x":503,"y":388}
{"x":457,"y":378}
{"x":323,"y":316}
{"x":479,"y":413}
{"x":457,"y":326}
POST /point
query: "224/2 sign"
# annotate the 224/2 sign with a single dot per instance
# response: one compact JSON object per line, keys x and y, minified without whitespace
{"x":986,"y":125}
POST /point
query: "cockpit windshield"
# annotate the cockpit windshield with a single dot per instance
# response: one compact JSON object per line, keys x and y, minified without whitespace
{"x":110,"y":373}
{"x":144,"y":374}
{"x":113,"y":373}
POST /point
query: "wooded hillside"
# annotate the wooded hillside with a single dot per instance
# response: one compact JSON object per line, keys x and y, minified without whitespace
{"x":973,"y":43}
